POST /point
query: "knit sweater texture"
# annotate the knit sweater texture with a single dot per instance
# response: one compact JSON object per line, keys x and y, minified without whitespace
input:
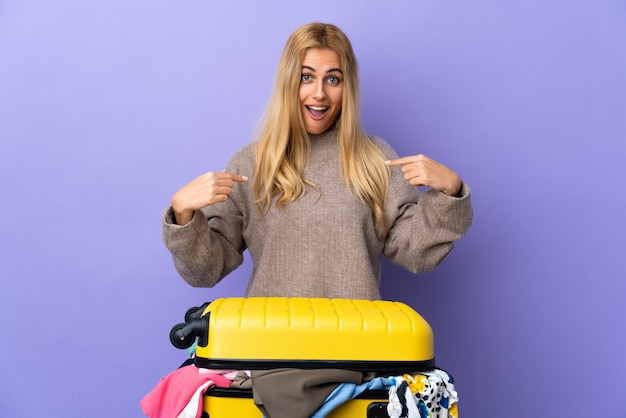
{"x":324,"y":244}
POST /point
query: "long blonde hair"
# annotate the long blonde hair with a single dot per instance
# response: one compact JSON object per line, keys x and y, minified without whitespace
{"x":283,"y":145}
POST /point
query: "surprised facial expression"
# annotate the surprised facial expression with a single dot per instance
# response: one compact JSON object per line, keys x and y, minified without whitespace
{"x":321,"y":89}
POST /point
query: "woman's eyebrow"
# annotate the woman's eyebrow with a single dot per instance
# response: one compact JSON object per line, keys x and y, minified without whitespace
{"x":306,"y":67}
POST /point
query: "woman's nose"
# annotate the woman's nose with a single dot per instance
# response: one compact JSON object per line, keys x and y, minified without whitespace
{"x":320,"y":90}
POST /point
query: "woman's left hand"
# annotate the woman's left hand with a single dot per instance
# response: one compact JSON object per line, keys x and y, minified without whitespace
{"x":419,"y":170}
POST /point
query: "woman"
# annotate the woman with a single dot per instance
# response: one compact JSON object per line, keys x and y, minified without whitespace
{"x":315,"y":200}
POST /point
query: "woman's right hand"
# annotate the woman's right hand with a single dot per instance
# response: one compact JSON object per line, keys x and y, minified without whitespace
{"x":205,"y":190}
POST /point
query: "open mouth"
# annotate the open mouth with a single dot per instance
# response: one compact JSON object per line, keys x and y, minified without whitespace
{"x":317,"y":112}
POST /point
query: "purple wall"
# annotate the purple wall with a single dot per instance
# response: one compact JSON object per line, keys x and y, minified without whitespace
{"x":106,"y":108}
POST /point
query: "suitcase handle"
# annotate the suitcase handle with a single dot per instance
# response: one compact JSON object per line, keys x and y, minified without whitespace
{"x":195,"y":326}
{"x":195,"y":312}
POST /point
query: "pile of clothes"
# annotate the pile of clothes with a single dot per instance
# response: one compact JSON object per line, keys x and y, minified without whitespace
{"x":303,"y":393}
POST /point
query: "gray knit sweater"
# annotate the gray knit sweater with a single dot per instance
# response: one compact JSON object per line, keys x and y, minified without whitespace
{"x":323,"y":244}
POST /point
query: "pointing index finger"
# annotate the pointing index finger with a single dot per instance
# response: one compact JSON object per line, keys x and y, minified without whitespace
{"x":398,"y":161}
{"x":234,"y":177}
{"x":238,"y":178}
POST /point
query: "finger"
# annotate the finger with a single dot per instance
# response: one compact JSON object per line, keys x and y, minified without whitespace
{"x":403,"y":160}
{"x":219,"y":198}
{"x":413,"y":174}
{"x":238,"y":178}
{"x":234,"y":177}
{"x":394,"y":163}
{"x":223,"y":190}
{"x":417,"y":182}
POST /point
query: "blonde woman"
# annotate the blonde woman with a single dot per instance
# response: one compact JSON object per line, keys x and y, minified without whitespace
{"x":315,"y":200}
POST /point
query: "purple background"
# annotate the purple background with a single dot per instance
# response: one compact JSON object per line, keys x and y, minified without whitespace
{"x":108,"y":107}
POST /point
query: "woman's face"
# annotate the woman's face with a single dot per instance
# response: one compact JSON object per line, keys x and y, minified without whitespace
{"x":321,"y":89}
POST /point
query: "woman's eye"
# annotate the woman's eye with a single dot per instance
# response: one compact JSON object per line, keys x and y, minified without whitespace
{"x":333,"y":80}
{"x":306,"y":77}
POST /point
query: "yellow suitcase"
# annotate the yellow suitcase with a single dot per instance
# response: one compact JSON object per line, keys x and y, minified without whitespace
{"x":305,"y":333}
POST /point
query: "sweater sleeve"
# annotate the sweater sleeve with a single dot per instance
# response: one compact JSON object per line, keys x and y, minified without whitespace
{"x":423,"y":227}
{"x":426,"y":227}
{"x":209,"y":247}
